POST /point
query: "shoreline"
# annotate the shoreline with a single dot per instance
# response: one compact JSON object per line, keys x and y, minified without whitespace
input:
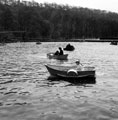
{"x":66,"y":40}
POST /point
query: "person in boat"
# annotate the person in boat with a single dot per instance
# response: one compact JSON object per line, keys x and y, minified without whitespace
{"x":56,"y":53}
{"x":73,"y":72}
{"x":60,"y":51}
{"x":79,"y":65}
{"x":68,"y":46}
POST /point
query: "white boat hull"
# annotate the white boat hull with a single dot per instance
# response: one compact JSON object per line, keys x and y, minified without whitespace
{"x":61,"y":71}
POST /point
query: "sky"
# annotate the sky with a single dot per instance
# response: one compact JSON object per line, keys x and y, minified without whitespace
{"x":108,"y":5}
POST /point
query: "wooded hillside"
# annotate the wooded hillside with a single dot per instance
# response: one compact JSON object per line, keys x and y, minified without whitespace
{"x":56,"y":21}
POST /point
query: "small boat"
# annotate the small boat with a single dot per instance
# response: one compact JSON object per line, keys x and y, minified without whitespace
{"x":71,"y":73}
{"x":2,"y":44}
{"x":69,"y":47}
{"x":58,"y":57}
{"x":113,"y":43}
{"x":38,"y":43}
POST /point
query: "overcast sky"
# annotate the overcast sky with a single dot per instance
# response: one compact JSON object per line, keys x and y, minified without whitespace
{"x":109,"y":5}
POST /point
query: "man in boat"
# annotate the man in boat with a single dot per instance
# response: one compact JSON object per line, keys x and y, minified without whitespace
{"x":79,"y":65}
{"x":60,"y":51}
{"x":73,"y":72}
{"x":56,"y":53}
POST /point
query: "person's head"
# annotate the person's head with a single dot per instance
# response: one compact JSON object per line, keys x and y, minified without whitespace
{"x":77,"y":62}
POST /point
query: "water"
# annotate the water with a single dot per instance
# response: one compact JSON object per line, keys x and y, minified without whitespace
{"x":26,"y":94}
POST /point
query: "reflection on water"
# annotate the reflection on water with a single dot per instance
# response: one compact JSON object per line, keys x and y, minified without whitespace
{"x":78,"y":81}
{"x":27,"y":94}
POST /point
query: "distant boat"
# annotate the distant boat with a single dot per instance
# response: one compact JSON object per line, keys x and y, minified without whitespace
{"x":1,"y":44}
{"x":114,"y":43}
{"x":69,"y":47}
{"x":58,"y":57}
{"x":38,"y":43}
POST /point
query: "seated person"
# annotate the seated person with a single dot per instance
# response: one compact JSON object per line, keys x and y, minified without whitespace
{"x":56,"y":53}
{"x":60,"y":51}
{"x":68,"y":45}
{"x":79,"y":65}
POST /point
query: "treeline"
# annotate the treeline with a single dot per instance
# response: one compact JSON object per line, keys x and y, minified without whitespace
{"x":56,"y":21}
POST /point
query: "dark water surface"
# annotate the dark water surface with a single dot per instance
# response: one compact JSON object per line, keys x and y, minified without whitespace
{"x":26,"y":94}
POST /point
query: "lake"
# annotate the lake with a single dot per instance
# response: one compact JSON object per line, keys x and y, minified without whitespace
{"x":27,"y":94}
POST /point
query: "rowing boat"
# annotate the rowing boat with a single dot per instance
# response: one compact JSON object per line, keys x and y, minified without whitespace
{"x":72,"y":73}
{"x":69,"y":48}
